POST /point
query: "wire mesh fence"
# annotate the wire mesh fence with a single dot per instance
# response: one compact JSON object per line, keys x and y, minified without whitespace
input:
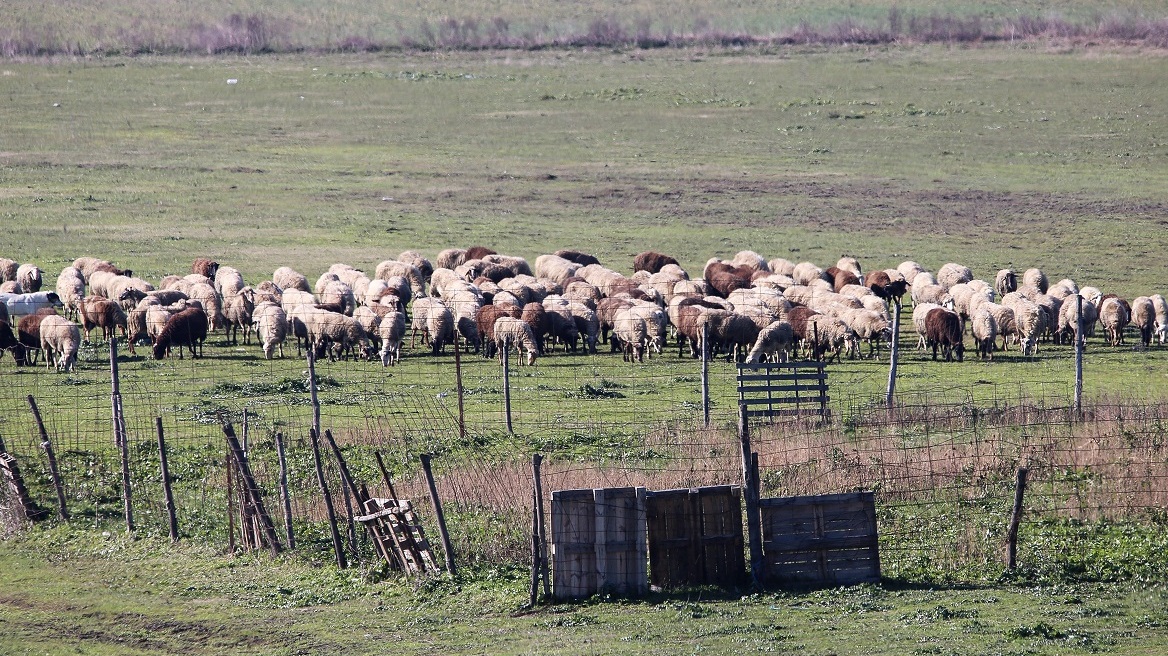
{"x":942,"y":463}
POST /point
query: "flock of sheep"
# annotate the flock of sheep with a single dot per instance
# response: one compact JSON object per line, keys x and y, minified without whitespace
{"x":747,"y":308}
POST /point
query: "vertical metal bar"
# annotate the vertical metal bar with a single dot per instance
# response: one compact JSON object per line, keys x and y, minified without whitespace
{"x":891,"y":393}
{"x":706,"y":375}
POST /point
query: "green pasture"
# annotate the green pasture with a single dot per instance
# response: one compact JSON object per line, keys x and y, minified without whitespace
{"x":1026,"y":155}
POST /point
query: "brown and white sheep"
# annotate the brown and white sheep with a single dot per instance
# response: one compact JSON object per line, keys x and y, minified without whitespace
{"x":511,"y":332}
{"x":60,"y":341}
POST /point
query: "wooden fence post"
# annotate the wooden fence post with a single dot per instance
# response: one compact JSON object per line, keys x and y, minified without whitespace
{"x":351,"y":489}
{"x":338,"y":547}
{"x":437,"y":503}
{"x":545,"y":562}
{"x":312,"y":391}
{"x":287,"y":501}
{"x":751,"y":494}
{"x":172,"y":516}
{"x":54,"y":472}
{"x":251,"y":490}
{"x":1080,"y":342}
{"x":507,"y":384}
{"x":895,"y":357}
{"x":459,"y":390}
{"x":120,"y":437}
{"x":385,"y":476}
{"x":706,"y":374}
{"x":1016,"y":519}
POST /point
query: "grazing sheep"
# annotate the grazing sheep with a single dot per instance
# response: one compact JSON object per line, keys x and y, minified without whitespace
{"x":390,"y":268}
{"x":733,"y":333}
{"x":1029,"y":321}
{"x":238,"y":311}
{"x":334,"y":333}
{"x":436,"y":322}
{"x":606,"y":311}
{"x":656,"y":324}
{"x":135,"y":327}
{"x":1035,"y":278}
{"x":391,"y":331}
{"x":920,"y":312}
{"x":1161,"y":308}
{"x":451,"y":258}
{"x":563,"y":324}
{"x":880,"y":283}
{"x":21,"y":305}
{"x":930,"y":294}
{"x":724,"y":278}
{"x":286,"y":278}
{"x":1114,"y":316}
{"x":8,"y":269}
{"x":187,"y":328}
{"x":849,"y":264}
{"x":60,"y":340}
{"x":88,"y":265}
{"x":841,"y":279}
{"x":629,"y":335}
{"x":28,"y":332}
{"x":805,"y":272}
{"x":516,"y":266}
{"x":587,"y":324}
{"x":750,"y":259}
{"x":1068,"y":319}
{"x":774,"y":343}
{"x":872,"y":327}
{"x":1062,"y":289}
{"x":30,"y":278}
{"x":554,"y":267}
{"x":271,"y":326}
{"x":536,"y":316}
{"x":269,"y":291}
{"x":11,"y":287}
{"x":583,"y":259}
{"x":205,"y":267}
{"x":909,"y":270}
{"x":943,"y":329}
{"x":70,"y":289}
{"x":103,"y":313}
{"x":479,"y":253}
{"x":985,"y":331}
{"x":1006,"y":281}
{"x":509,"y":332}
{"x":485,"y":319}
{"x":953,"y":274}
{"x":781,"y":266}
{"x":156,"y":317}
{"x":652,"y":261}
{"x":228,"y":281}
{"x":9,"y":342}
{"x":337,"y":296}
{"x":211,"y":303}
{"x":418,"y":261}
{"x":1143,"y":317}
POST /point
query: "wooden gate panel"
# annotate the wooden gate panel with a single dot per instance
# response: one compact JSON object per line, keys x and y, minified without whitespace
{"x":675,"y":550}
{"x":574,"y":543}
{"x":621,"y":558}
{"x":828,"y":539}
{"x":723,"y":558}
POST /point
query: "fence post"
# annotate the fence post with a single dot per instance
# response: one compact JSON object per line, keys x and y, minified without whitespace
{"x":312,"y":392}
{"x":1080,"y":340}
{"x":750,"y":491}
{"x":706,"y":374}
{"x":1015,"y":519}
{"x":54,"y":472}
{"x":458,"y":389}
{"x":888,"y":397}
{"x":120,"y":435}
{"x":350,"y":489}
{"x":284,"y":490}
{"x":507,"y":383}
{"x":171,"y":514}
{"x":437,"y":503}
{"x":338,"y":548}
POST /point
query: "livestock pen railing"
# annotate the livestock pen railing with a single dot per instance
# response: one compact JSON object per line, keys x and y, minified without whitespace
{"x":942,"y":464}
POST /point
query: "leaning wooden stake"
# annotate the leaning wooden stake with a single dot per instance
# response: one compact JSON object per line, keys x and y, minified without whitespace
{"x":437,"y":503}
{"x":1080,"y":343}
{"x":120,"y":436}
{"x":166,"y":489}
{"x":507,"y":385}
{"x":251,"y":491}
{"x":54,"y":472}
{"x":351,"y":490}
{"x":536,"y":556}
{"x":287,"y":501}
{"x":385,"y":476}
{"x":751,"y":494}
{"x":895,"y":357}
{"x":338,"y":547}
{"x":544,"y":564}
{"x":1016,"y":519}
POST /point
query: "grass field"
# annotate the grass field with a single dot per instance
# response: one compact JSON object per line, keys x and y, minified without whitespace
{"x":1025,"y":155}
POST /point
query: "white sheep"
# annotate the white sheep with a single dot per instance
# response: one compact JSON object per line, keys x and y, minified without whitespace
{"x":1143,"y":316}
{"x":1035,"y":278}
{"x":271,"y":326}
{"x":211,"y":302}
{"x":910,"y":270}
{"x":952,"y":273}
{"x":71,"y":289}
{"x":451,"y":258}
{"x":1114,"y":317}
{"x":554,"y":267}
{"x":805,"y":272}
{"x":1161,"y":308}
{"x":238,"y":310}
{"x":8,"y":269}
{"x":287,"y":278}
{"x":1029,"y":321}
{"x":391,"y":331}
{"x":389,"y":268}
{"x":985,"y":331}
{"x":30,"y":278}
{"x":228,"y":281}
{"x":60,"y":340}
{"x":509,"y":332}
{"x":774,"y":342}
{"x":434,"y":319}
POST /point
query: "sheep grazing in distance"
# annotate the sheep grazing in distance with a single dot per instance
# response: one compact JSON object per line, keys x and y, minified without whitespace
{"x":577,"y":257}
{"x":70,"y":289}
{"x":211,"y":303}
{"x":1069,"y":319}
{"x":185,"y":329}
{"x":436,"y":322}
{"x":1160,"y":305}
{"x":286,"y":278}
{"x":238,"y":312}
{"x":943,"y":329}
{"x":751,"y":260}
{"x":652,"y":261}
{"x":629,"y":335}
{"x":841,"y":278}
{"x":1114,"y":316}
{"x":805,"y":272}
{"x":21,"y":305}
{"x":98,"y":312}
{"x":849,"y":264}
{"x":60,"y":340}
{"x":451,"y":258}
{"x":9,"y":342}
{"x":534,"y":315}
{"x":587,"y":324}
{"x":28,"y":332}
{"x":723,"y":278}
{"x":479,"y":253}
{"x":879,"y":282}
{"x":985,"y":332}
{"x":387,"y":269}
{"x":416,"y":260}
{"x":89,"y":265}
{"x":509,"y":332}
{"x":1143,"y":317}
{"x":774,"y":342}
{"x":8,"y":269}
{"x":11,"y":287}
{"x":910,"y":270}
{"x":555,"y":267}
{"x":205,"y":267}
{"x":485,"y":319}
{"x":1035,"y":278}
{"x":271,"y":327}
{"x":391,"y":331}
{"x":30,"y":278}
{"x":953,"y":274}
{"x":1029,"y":321}
{"x":1006,"y":281}
{"x":227,"y":281}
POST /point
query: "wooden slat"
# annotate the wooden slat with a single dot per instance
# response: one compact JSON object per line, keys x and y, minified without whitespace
{"x":785,"y":412}
{"x":787,"y":400}
{"x":573,"y":519}
{"x":674,"y":538}
{"x":814,"y":376}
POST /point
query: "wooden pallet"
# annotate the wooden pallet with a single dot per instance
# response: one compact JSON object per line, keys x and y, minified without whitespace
{"x":777,"y":389}
{"x":821,"y":540}
{"x":398,"y":535}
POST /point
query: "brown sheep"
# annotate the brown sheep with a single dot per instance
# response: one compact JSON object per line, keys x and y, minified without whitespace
{"x":103,"y":313}
{"x":28,"y":331}
{"x":478,"y":253}
{"x":9,"y":342}
{"x":583,"y":259}
{"x":651,"y":261}
{"x":187,"y":328}
{"x":943,"y":329}
{"x":485,"y":319}
{"x":536,"y":316}
{"x":842,"y":279}
{"x":206,"y":267}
